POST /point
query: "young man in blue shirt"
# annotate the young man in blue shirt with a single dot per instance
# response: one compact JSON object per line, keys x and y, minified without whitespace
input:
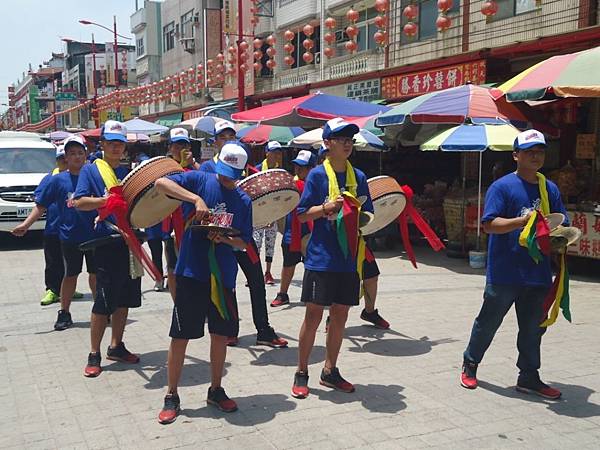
{"x":73,"y":227}
{"x":331,"y":278}
{"x":117,"y":291}
{"x":206,"y":270}
{"x":512,"y":275}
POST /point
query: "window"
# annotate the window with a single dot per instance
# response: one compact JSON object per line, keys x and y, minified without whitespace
{"x":428,"y":14}
{"x":187,"y":28}
{"x":510,"y":8}
{"x":169,"y":36}
{"x":140,"y":51}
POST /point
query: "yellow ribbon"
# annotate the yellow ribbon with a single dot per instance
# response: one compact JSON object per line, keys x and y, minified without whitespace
{"x":107,"y":173}
{"x":559,"y":292}
{"x":544,"y":205}
{"x":264,"y":166}
{"x":56,"y":171}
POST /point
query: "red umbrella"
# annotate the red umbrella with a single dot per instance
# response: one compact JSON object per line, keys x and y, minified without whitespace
{"x":95,"y":133}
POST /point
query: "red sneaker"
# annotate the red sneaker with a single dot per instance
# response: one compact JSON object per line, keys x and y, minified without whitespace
{"x":269,"y":279}
{"x":375,"y":319}
{"x":218,"y":398}
{"x":93,"y":369}
{"x":334,"y":380}
{"x":300,"y":387}
{"x":280,"y":300}
{"x":539,"y":388}
{"x":170,"y":409}
{"x":269,"y":337}
{"x":468,"y":377}
{"x":232,"y":341}
{"x":121,"y":354}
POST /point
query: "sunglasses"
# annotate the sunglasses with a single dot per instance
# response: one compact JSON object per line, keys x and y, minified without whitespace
{"x":344,"y":140}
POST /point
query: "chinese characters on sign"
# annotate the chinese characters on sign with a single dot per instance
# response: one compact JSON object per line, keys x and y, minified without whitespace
{"x":589,"y":244}
{"x":586,"y":146}
{"x":408,"y":85}
{"x":366,"y":91}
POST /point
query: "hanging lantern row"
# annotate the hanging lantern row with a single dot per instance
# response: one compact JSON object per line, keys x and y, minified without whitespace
{"x":489,"y":9}
{"x":308,"y":43}
{"x":443,"y":22}
{"x":271,"y":52}
{"x":258,"y":54}
{"x":289,"y":48}
{"x":329,"y":37}
{"x":351,"y":30}
{"x":411,"y":12}
{"x":380,"y":36}
{"x":254,"y":11}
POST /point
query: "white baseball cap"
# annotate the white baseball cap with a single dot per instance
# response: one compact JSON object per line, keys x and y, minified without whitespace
{"x":179,"y":134}
{"x":304,"y":158}
{"x":273,"y":146}
{"x":528,"y":139}
{"x":75,"y":139}
{"x":223,"y":125}
{"x":339,"y":127}
{"x":232,"y":160}
{"x":60,"y":151}
{"x":114,"y":131}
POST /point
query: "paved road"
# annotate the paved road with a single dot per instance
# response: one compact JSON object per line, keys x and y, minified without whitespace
{"x":407,"y":394}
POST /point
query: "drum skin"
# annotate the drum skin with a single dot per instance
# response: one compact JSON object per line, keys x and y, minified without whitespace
{"x":273,"y":193}
{"x":147,"y":206}
{"x":388,"y":202}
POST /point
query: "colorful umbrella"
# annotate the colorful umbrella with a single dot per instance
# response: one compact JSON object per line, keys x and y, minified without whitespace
{"x":137,"y":137}
{"x":206,"y":124}
{"x":143,"y":126}
{"x":473,"y":138}
{"x":365,"y":140}
{"x":57,"y":136}
{"x":261,"y":134}
{"x":368,"y":123}
{"x":468,"y":103}
{"x":572,"y":75}
{"x":309,"y":111}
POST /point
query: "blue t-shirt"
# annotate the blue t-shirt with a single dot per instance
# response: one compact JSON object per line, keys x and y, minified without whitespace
{"x":156,"y":232}
{"x":287,"y":232}
{"x":74,"y":226}
{"x":508,"y":262}
{"x":193,"y":253}
{"x":91,"y":184}
{"x":52,"y":219}
{"x":209,"y":166}
{"x":323,"y":253}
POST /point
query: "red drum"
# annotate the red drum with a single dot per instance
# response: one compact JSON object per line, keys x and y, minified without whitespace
{"x":388,"y":202}
{"x":273,"y":193}
{"x":147,"y":206}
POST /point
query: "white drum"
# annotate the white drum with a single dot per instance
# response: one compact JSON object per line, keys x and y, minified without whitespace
{"x":388,"y":202}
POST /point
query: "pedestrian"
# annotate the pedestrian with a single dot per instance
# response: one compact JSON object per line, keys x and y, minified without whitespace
{"x":273,"y":160}
{"x":117,"y":289}
{"x":331,"y":278}
{"x":513,"y":277}
{"x":248,"y":260}
{"x":206,"y":270}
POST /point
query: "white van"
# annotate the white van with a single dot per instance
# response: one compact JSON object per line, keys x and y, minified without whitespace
{"x":24,"y":160}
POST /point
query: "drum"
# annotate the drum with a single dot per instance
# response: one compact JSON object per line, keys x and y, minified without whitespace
{"x":273,"y":193}
{"x":388,"y":202}
{"x":147,"y":206}
{"x":561,"y":237}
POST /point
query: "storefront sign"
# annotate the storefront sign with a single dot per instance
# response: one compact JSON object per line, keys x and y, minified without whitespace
{"x":586,"y":146}
{"x":366,"y":91}
{"x":589,"y":244}
{"x":417,"y":83}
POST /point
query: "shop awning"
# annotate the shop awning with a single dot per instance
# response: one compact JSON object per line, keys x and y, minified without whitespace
{"x":169,"y":120}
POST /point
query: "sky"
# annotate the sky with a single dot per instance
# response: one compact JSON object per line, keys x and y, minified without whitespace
{"x":31,"y":30}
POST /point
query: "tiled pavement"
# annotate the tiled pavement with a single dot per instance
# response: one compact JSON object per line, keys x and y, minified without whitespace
{"x":407,"y":394}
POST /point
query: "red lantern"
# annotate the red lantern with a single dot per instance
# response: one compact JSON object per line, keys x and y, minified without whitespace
{"x":218,"y":78}
{"x":289,"y":60}
{"x":329,"y":37}
{"x":308,"y":44}
{"x":444,"y":5}
{"x":381,"y":5}
{"x":351,"y":46}
{"x":380,"y":21}
{"x":254,"y":20}
{"x":351,"y":31}
{"x":271,"y":40}
{"x":232,"y":50}
{"x":443,"y":23}
{"x":230,"y":70}
{"x":271,"y":64}
{"x":243,"y":57}
{"x":308,"y":57}
{"x":379,"y":37}
{"x":411,"y":12}
{"x":220,"y":68}
{"x":221,"y":57}
{"x":244,"y":68}
{"x":489,"y":8}
{"x":329,"y":52}
{"x":411,"y":29}
{"x":271,"y":52}
{"x":209,"y":81}
{"x":308,"y":29}
{"x":257,"y":43}
{"x":209,"y":63}
{"x":352,"y":15}
{"x":244,"y":46}
{"x":288,"y":35}
{"x":330,"y":23}
{"x":258,"y":54}
{"x":289,"y":48}
{"x":257,"y":66}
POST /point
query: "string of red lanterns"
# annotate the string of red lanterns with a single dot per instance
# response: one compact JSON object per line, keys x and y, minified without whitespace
{"x":308,"y":43}
{"x":329,"y":37}
{"x":443,"y":22}
{"x":271,"y":52}
{"x":351,"y":30}
{"x":411,"y":12}
{"x":289,"y":48}
{"x":380,"y":36}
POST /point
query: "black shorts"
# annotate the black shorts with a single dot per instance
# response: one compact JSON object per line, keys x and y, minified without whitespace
{"x":370,"y":269}
{"x":170,"y":253}
{"x":73,"y":259}
{"x":114,"y":287}
{"x":193,"y":306}
{"x":328,"y":288}
{"x":290,"y":258}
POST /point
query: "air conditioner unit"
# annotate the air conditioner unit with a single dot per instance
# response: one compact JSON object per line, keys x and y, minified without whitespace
{"x":189,"y":44}
{"x":196,"y":19}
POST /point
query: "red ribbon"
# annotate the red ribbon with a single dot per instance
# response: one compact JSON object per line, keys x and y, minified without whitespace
{"x":542,"y":234}
{"x":420,"y":223}
{"x":251,"y":252}
{"x":296,"y":226}
{"x":117,"y":206}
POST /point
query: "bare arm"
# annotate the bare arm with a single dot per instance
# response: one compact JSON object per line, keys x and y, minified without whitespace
{"x":500,"y":225}
{"x":89,"y":203}
{"x":172,"y":189}
{"x":324,"y":210}
{"x":218,"y":238}
{"x":34,"y":215}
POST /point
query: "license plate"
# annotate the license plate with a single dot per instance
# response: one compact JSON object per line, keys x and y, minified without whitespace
{"x":23,"y":212}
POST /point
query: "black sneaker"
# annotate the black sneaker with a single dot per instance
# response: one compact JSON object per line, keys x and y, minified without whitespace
{"x":93,"y":368}
{"x":170,"y":409}
{"x":268,"y":337}
{"x":218,"y":398}
{"x":538,"y":387}
{"x":375,"y":319}
{"x":121,"y":354}
{"x":280,"y":300}
{"x":300,"y":387}
{"x":63,"y":321}
{"x":334,"y":380}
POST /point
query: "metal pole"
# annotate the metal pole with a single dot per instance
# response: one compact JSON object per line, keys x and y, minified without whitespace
{"x":205,"y":46}
{"x":116,"y":49}
{"x":241,"y":74}
{"x":479,"y":205}
{"x":94,"y":102}
{"x":321,"y":41}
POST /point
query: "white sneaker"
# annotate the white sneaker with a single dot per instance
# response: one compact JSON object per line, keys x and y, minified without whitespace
{"x":159,"y":286}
